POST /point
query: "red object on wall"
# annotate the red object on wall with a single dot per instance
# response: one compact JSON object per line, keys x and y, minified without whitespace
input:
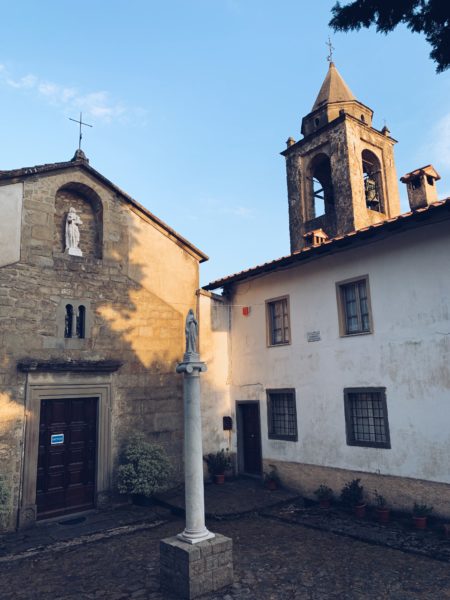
{"x":246,"y":311}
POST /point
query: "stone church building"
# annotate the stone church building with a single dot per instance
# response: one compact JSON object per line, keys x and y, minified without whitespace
{"x":338,"y":355}
{"x":94,"y":290}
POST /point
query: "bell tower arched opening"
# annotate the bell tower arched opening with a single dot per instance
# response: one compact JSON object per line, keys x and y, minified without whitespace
{"x":373,"y":183}
{"x":321,"y":185}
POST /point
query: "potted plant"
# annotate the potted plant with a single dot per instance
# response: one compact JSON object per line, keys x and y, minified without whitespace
{"x":382,"y":509}
{"x":4,"y":501}
{"x":144,"y":470}
{"x":420,"y":515}
{"x":272,"y":479}
{"x":352,"y":495}
{"x":218,"y":463}
{"x":324,"y":495}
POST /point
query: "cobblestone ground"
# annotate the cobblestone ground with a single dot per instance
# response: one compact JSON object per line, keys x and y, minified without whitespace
{"x":273,"y":560}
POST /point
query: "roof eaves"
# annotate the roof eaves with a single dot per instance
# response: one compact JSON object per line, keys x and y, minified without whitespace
{"x":328,"y":246}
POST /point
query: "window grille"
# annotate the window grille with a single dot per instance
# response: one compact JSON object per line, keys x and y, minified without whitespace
{"x":366,"y":417}
{"x":282,"y":415}
{"x":355,"y":307}
{"x":278,"y":322}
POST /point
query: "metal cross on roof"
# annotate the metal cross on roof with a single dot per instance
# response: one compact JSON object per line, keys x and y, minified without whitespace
{"x":80,"y":122}
{"x":330,"y":50}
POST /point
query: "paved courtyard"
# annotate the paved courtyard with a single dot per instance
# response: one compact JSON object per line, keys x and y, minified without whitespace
{"x":273,"y":560}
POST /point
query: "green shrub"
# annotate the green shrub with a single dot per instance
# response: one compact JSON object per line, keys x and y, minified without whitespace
{"x":323,"y":492}
{"x":5,"y":495}
{"x":145,"y":468}
{"x":352,"y":493}
{"x":422,"y":510}
{"x":218,"y":462}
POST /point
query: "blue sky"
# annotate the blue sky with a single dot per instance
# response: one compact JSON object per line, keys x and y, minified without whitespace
{"x":192,"y":101}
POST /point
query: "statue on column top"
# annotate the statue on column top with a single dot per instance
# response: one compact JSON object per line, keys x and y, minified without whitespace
{"x":73,"y":233}
{"x":191,"y":331}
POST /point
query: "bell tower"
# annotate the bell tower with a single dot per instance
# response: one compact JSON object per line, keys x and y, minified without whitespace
{"x":341,"y":175}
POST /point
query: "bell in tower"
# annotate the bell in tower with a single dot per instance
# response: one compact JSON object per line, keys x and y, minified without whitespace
{"x":341,"y":175}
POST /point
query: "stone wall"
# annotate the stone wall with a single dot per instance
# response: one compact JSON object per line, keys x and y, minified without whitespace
{"x":138,"y":295}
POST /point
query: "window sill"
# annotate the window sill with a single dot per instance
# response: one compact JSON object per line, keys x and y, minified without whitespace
{"x":347,"y":335}
{"x":277,"y":345}
{"x":283,"y":438}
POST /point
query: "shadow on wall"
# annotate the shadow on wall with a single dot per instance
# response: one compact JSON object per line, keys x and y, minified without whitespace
{"x":139,"y":289}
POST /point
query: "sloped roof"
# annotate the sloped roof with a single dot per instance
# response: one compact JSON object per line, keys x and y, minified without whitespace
{"x":80,"y":162}
{"x":334,"y":89}
{"x":389,"y":226}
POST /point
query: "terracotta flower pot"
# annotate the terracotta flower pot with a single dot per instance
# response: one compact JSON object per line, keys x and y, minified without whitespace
{"x":325,"y":503}
{"x":420,"y":522}
{"x":360,"y":511}
{"x":383,"y":515}
{"x":219,"y":479}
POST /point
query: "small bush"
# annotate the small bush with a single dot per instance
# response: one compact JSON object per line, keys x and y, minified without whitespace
{"x":145,"y":468}
{"x":218,"y":462}
{"x":352,"y":493}
{"x":422,"y":510}
{"x":323,"y":492}
{"x":5,"y":495}
{"x":380,"y":500}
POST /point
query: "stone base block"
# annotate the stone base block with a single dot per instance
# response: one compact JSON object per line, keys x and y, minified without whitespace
{"x":190,"y":570}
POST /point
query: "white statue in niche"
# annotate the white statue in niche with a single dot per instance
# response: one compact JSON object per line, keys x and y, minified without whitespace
{"x":73,"y":233}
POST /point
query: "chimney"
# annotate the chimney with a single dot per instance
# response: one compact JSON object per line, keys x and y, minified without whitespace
{"x":421,"y":186}
{"x":315,"y":238}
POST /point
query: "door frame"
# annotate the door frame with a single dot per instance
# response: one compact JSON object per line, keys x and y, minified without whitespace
{"x":77,"y":388}
{"x":240,"y":436}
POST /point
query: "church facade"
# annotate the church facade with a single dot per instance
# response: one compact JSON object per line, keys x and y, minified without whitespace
{"x":94,"y":290}
{"x":339,"y":353}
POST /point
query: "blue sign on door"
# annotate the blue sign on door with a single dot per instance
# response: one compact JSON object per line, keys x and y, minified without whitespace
{"x":57,"y":438}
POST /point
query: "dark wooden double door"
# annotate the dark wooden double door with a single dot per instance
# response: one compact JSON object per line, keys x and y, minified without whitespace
{"x":67,"y":456}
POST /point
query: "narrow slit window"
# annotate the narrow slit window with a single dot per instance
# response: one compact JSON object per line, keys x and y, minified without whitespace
{"x":81,"y":322}
{"x":68,"y":326}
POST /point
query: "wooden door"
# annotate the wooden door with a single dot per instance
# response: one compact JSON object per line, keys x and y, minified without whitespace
{"x":67,"y":456}
{"x":251,"y":438}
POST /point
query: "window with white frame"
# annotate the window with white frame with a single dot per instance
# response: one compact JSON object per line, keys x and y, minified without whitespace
{"x":282,"y":415}
{"x":366,"y":417}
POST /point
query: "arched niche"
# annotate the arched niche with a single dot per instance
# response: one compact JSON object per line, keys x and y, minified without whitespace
{"x":88,"y":206}
{"x":372,"y":181}
{"x":321,"y":192}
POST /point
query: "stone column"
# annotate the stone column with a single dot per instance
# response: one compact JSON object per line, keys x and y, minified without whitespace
{"x":196,"y":561}
{"x":195,"y":530}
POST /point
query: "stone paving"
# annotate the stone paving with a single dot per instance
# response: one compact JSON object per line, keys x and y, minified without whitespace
{"x":273,"y":560}
{"x":284,"y":550}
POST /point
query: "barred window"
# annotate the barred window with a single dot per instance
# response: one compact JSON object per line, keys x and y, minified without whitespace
{"x":278,"y":321}
{"x":366,"y":417}
{"x":282,"y":415}
{"x":354,"y":307}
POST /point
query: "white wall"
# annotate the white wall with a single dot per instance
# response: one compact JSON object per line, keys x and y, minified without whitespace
{"x":215,"y":388}
{"x":11,"y":197}
{"x":408,"y":353}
